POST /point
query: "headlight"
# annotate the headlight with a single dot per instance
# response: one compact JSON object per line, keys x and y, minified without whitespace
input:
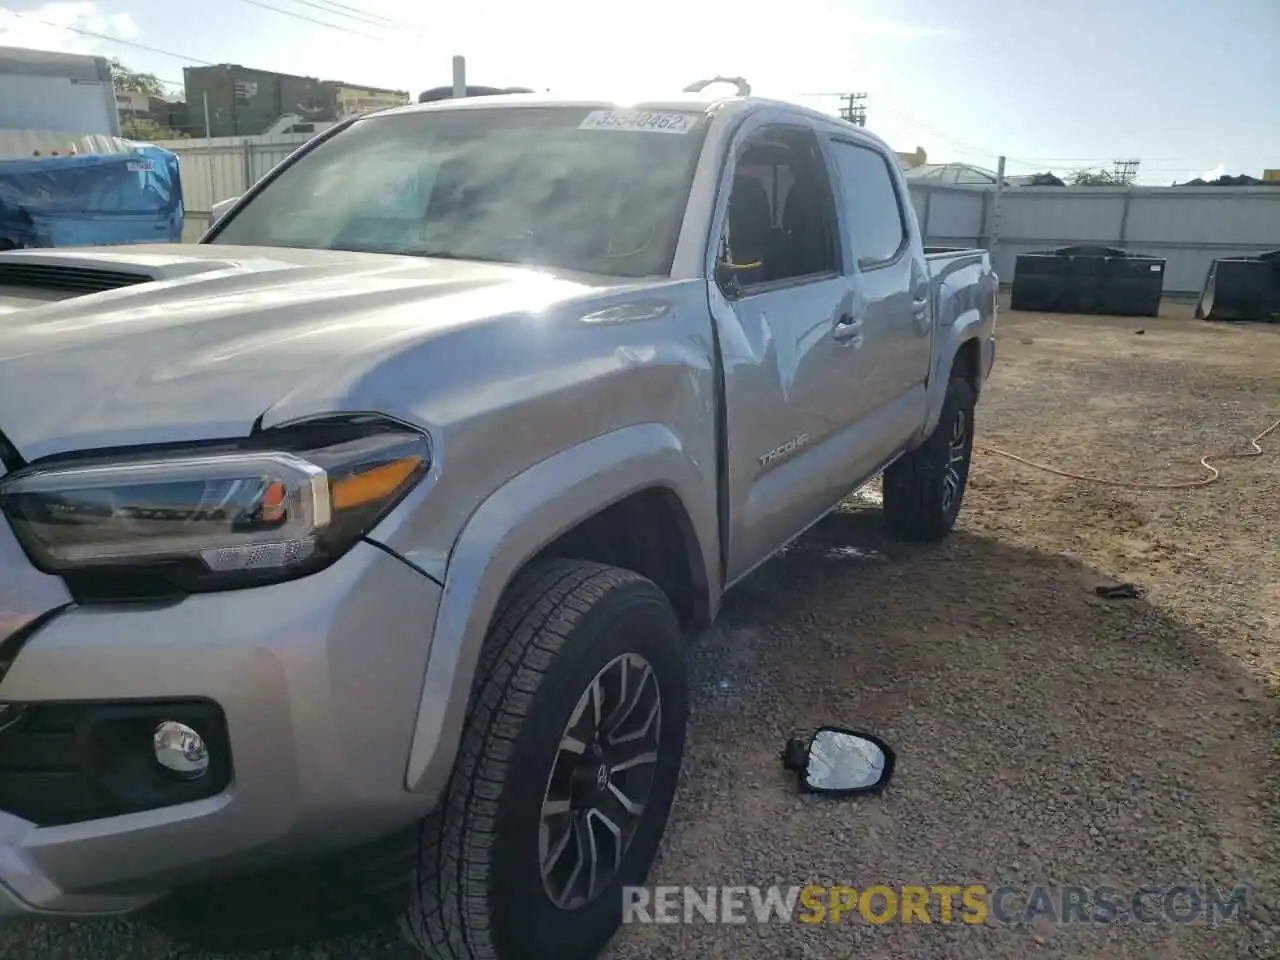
{"x":281,"y":504}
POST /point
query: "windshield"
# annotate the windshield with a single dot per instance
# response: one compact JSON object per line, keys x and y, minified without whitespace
{"x":601,"y":191}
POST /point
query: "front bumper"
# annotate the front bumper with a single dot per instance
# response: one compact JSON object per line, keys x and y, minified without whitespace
{"x":319,"y":680}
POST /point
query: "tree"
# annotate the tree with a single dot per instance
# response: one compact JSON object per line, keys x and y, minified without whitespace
{"x":125,"y":79}
{"x":140,"y":128}
{"x":1096,"y":178}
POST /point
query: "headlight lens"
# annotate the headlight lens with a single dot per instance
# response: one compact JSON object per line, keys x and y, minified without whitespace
{"x":282,"y":504}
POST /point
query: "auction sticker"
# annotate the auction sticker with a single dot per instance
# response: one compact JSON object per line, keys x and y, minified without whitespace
{"x":639,"y":120}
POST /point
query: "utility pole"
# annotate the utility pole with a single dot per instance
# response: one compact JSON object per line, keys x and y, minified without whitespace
{"x":855,"y":108}
{"x":459,"y":76}
{"x":1125,"y":171}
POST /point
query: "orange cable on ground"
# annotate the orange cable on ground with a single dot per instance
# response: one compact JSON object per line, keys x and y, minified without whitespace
{"x":1180,"y":485}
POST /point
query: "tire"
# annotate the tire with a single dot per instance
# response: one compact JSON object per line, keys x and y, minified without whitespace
{"x":563,"y":627}
{"x":924,"y":490}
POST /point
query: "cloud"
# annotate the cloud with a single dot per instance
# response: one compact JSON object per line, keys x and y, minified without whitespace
{"x":45,"y":27}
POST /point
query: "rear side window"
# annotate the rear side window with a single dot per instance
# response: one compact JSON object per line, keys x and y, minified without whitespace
{"x":870,"y":196}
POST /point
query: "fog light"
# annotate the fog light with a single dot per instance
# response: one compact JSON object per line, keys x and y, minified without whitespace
{"x":180,"y":750}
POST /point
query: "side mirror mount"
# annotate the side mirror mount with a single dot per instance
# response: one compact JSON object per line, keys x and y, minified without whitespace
{"x":727,"y":271}
{"x":727,"y":278}
{"x":841,"y":762}
{"x":221,"y":207}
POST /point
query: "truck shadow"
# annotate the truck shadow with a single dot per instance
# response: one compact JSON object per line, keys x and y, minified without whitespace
{"x":1044,"y":735}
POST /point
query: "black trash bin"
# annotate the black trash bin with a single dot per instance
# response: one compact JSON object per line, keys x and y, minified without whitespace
{"x":1088,"y":279}
{"x":1242,"y":289}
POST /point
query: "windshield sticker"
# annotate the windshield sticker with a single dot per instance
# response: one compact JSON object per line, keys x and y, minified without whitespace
{"x":639,"y":120}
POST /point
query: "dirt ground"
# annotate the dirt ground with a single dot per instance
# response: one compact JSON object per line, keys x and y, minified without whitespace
{"x":1045,"y":735}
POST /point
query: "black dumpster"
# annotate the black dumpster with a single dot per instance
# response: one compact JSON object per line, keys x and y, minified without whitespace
{"x":1088,"y":279}
{"x":1242,"y":289}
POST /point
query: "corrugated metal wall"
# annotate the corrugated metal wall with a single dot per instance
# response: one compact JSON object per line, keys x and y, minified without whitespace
{"x":1189,"y":227}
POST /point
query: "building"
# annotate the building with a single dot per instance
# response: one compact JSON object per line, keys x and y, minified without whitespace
{"x":956,"y":173}
{"x":910,"y":161}
{"x":349,"y":101}
{"x":132,"y":103}
{"x":243,"y":102}
{"x":163,"y":111}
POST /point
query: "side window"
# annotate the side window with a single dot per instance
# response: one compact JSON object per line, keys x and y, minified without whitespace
{"x":871,"y":198}
{"x":781,"y":222}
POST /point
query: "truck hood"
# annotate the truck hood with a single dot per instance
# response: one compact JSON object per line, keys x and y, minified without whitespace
{"x":203,"y":340}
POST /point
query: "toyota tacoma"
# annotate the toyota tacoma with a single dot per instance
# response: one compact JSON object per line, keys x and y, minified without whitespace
{"x":349,"y":556}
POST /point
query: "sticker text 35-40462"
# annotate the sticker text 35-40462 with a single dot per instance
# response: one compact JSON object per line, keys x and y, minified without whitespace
{"x":643,"y":121}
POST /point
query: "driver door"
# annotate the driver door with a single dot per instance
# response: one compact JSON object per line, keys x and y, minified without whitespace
{"x":790,"y":339}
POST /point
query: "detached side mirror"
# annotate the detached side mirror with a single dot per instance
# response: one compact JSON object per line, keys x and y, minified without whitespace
{"x":840,"y":761}
{"x":221,"y":207}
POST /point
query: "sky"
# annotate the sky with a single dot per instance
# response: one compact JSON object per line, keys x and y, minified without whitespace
{"x":1189,"y":88}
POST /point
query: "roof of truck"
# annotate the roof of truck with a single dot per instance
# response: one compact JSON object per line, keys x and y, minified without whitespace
{"x":721,"y":106}
{"x":681,"y":102}
{"x":45,"y":63}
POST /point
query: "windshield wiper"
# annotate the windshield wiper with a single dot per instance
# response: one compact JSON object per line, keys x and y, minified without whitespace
{"x":423,"y":252}
{"x":452,"y":255}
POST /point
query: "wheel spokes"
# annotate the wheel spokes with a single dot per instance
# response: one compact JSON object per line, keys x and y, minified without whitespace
{"x":637,"y":759}
{"x":600,"y":781}
{"x":957,"y":457}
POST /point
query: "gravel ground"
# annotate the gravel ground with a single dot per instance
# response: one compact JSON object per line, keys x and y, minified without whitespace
{"x":1045,"y":735}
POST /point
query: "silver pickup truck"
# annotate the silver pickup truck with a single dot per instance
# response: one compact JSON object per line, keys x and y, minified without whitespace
{"x":349,"y":556}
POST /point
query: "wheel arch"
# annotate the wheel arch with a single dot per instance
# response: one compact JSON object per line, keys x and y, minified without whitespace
{"x":629,"y":478}
{"x":959,"y":349}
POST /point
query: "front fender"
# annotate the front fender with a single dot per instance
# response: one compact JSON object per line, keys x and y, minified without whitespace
{"x":509,"y":528}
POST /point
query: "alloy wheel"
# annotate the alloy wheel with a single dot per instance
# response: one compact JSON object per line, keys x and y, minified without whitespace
{"x":957,"y":456}
{"x":600,"y":781}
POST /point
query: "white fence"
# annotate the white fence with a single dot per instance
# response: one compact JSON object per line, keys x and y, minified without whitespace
{"x":221,"y":170}
{"x":1188,"y":226}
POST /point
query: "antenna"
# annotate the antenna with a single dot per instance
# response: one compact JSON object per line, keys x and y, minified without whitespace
{"x":744,"y":88}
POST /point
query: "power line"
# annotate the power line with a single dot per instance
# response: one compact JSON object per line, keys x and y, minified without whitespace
{"x":354,"y":13}
{"x":322,"y":23}
{"x":104,"y":36}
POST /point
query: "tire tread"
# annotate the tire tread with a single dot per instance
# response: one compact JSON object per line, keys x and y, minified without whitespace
{"x":912,"y":484}
{"x":451,"y":917}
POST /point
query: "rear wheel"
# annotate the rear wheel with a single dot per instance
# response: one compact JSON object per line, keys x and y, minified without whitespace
{"x":924,"y":489}
{"x":566,"y":771}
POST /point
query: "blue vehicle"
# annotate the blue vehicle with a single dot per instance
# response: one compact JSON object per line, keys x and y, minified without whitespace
{"x":75,"y":201}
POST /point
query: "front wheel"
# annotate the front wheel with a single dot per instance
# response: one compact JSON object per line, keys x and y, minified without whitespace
{"x":924,"y":489}
{"x":565,"y":774}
